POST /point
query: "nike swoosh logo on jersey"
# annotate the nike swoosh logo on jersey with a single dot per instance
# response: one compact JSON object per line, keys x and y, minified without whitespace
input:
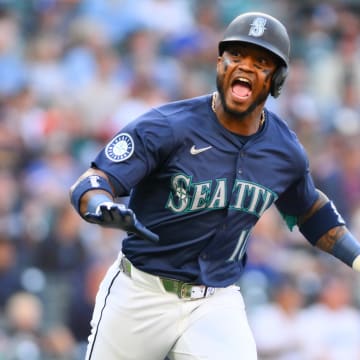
{"x":195,"y":151}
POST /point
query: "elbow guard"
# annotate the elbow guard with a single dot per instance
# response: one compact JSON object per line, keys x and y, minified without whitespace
{"x":321,"y":222}
{"x":92,"y":182}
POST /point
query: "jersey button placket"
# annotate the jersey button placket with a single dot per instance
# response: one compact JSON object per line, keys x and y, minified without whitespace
{"x":240,"y":162}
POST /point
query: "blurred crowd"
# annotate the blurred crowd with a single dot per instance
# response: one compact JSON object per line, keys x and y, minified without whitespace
{"x":74,"y":72}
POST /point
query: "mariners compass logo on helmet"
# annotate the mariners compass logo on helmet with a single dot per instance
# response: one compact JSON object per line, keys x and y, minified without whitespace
{"x":257,"y":28}
{"x":120,"y":148}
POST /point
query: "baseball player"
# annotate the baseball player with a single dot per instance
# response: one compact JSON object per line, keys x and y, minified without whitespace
{"x":200,"y":173}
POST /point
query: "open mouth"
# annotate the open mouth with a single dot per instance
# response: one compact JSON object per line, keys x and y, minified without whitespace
{"x":241,"y":87}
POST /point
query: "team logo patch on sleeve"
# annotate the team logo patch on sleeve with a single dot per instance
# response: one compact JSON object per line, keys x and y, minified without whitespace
{"x":120,"y":148}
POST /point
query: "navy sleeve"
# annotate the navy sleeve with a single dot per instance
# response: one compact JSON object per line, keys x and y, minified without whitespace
{"x":136,"y":151}
{"x":299,"y":197}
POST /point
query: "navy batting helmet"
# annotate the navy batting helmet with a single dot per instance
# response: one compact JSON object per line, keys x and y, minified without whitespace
{"x":265,"y":31}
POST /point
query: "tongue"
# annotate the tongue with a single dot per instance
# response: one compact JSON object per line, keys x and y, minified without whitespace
{"x":241,"y":90}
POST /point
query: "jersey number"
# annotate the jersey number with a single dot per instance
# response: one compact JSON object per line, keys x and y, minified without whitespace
{"x":240,"y":247}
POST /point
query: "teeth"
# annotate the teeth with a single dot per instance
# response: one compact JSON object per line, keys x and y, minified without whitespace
{"x":244,"y":80}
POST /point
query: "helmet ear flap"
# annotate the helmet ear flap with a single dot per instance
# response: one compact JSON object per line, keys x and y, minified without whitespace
{"x":278,"y":80}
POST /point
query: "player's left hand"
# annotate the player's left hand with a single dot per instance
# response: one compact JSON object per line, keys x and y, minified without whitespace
{"x":115,"y":215}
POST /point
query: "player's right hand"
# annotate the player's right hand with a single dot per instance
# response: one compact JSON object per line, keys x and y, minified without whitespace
{"x":118,"y":216}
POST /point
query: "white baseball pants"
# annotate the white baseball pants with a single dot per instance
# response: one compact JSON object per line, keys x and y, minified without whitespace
{"x":136,"y":319}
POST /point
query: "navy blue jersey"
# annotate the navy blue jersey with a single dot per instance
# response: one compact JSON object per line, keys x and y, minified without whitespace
{"x":202,"y":188}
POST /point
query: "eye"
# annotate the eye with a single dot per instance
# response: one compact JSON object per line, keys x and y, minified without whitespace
{"x":234,"y":52}
{"x":262,"y":62}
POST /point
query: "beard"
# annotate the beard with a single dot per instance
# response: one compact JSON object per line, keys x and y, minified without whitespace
{"x":260,"y":99}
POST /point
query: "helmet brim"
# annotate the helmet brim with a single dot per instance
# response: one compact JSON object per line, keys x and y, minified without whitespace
{"x":250,"y":40}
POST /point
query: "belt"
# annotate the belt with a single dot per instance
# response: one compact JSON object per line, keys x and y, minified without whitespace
{"x":183,"y":290}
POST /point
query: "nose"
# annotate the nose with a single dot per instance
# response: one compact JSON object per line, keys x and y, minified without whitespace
{"x":246,"y":63}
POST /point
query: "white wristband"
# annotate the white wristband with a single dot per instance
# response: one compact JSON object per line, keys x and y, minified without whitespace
{"x":356,"y":263}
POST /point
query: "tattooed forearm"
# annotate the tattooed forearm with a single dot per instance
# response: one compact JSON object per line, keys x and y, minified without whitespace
{"x":320,"y":202}
{"x":328,"y":240}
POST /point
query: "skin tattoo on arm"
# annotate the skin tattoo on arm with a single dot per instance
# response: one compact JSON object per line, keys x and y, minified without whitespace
{"x":328,"y":240}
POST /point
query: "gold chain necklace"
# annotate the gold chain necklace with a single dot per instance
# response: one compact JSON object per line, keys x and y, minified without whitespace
{"x":214,"y":96}
{"x":213,"y":101}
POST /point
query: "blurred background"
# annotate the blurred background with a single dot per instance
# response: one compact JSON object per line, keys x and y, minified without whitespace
{"x":74,"y":72}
